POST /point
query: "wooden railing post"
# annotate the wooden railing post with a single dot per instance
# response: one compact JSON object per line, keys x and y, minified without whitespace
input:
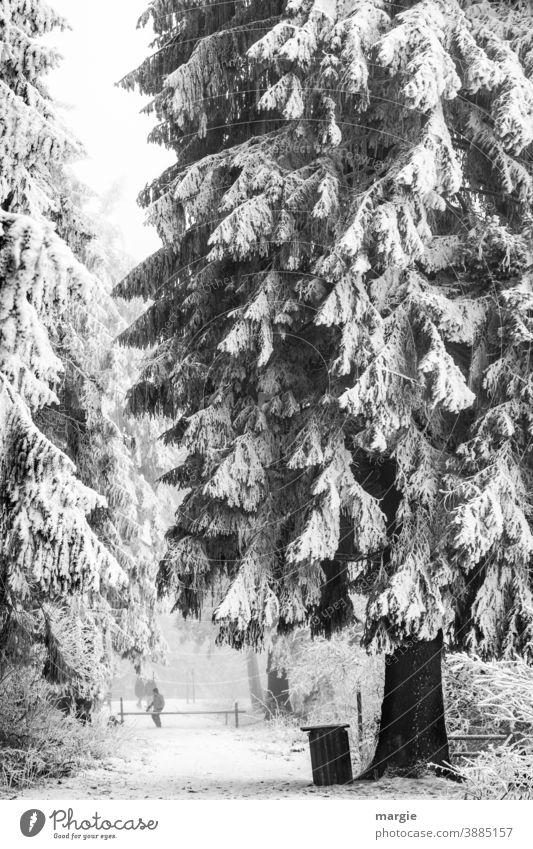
{"x":360,"y":719}
{"x":121,"y":711}
{"x":236,"y":714}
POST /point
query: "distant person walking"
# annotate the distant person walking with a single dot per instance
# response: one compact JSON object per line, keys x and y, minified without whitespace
{"x":156,"y":706}
{"x":139,"y":690}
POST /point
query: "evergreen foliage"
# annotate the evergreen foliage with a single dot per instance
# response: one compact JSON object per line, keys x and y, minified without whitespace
{"x":340,"y":314}
{"x":76,"y":570}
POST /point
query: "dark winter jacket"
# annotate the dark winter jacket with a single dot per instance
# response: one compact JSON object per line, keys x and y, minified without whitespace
{"x":157,"y":704}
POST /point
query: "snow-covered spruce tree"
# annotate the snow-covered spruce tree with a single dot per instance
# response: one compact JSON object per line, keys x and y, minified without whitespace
{"x":341,"y":323}
{"x":107,"y":447}
{"x":49,"y":553}
{"x":60,"y":540}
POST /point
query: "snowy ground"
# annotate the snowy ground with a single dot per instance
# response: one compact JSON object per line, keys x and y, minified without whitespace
{"x":199,"y":757}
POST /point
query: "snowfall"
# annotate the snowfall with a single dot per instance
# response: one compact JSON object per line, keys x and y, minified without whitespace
{"x":200,"y":757}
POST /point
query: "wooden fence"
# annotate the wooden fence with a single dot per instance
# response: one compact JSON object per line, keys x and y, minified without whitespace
{"x":234,"y":711}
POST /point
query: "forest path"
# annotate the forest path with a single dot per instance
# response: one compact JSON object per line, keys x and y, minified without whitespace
{"x":201,"y":758}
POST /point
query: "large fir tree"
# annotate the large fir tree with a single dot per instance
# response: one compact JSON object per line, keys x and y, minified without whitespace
{"x":341,"y":323}
{"x":74,"y":579}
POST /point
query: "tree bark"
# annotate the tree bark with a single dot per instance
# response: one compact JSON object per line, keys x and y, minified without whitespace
{"x":412,"y":729}
{"x":277,"y":697}
{"x":254,"y":680}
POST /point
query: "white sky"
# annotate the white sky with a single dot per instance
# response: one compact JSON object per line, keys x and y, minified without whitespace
{"x":103,"y":46}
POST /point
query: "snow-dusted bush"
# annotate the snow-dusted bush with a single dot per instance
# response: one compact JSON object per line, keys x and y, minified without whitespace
{"x":325,"y":677}
{"x":494,"y":698}
{"x":38,"y":741}
{"x":502,"y":772}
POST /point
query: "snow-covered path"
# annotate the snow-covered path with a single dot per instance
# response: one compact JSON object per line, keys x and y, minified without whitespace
{"x":200,"y":757}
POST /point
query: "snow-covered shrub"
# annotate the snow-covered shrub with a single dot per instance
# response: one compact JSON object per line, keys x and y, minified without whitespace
{"x":493,"y":697}
{"x":496,"y":696}
{"x":325,"y":677}
{"x":502,"y":772}
{"x":38,"y":741}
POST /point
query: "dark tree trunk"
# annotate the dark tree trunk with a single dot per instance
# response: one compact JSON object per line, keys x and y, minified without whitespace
{"x":412,"y":730}
{"x":277,"y":697}
{"x":254,"y":680}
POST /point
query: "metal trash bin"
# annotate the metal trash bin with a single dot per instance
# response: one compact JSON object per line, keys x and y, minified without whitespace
{"x":330,"y":754}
